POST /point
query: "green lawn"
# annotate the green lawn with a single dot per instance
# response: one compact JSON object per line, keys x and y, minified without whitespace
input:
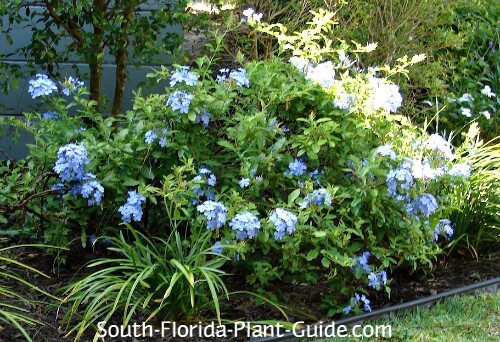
{"x":467,"y":318}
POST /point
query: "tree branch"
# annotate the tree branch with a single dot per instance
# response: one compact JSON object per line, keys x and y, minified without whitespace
{"x":67,"y":24}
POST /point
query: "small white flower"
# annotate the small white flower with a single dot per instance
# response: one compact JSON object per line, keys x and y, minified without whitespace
{"x":487,"y":91}
{"x":486,"y":114}
{"x":466,"y":111}
{"x":466,"y":98}
{"x":248,"y":12}
{"x":257,"y":17}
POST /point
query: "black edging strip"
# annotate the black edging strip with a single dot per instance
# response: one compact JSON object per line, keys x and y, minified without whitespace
{"x":487,"y":286}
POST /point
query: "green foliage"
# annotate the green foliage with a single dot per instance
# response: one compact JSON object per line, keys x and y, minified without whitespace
{"x":477,"y":219}
{"x":168,"y":279}
{"x":316,"y":137}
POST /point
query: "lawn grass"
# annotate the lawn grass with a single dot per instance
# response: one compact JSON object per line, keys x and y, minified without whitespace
{"x":466,"y":318}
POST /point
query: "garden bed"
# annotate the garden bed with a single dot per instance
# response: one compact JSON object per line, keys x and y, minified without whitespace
{"x":450,"y":273}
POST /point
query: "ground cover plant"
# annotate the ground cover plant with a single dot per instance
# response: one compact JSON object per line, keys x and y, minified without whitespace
{"x":295,"y":169}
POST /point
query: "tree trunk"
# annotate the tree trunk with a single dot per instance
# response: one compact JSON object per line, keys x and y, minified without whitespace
{"x":121,"y":62}
{"x":96,"y":53}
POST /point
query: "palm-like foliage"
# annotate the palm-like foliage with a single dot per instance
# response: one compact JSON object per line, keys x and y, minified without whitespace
{"x":168,"y":279}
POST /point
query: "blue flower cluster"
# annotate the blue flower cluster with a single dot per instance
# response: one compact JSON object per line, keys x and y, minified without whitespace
{"x":377,"y":279}
{"x":362,"y":262}
{"x":356,"y":301}
{"x":443,"y":228}
{"x":203,"y":117}
{"x":42,"y":85}
{"x":214,"y":212}
{"x":89,"y":188}
{"x":151,"y":135}
{"x":182,"y":74}
{"x":70,"y":166}
{"x":438,"y":144}
{"x":318,"y":197}
{"x":297,"y":168}
{"x":50,"y":115}
{"x":343,"y":99}
{"x":386,"y":151}
{"x":132,"y":209}
{"x":385,"y":95}
{"x":70,"y":163}
{"x":71,"y":85}
{"x":246,"y":225}
{"x":284,"y":221}
{"x":210,"y":179}
{"x":180,"y":100}
{"x":323,"y":73}
{"x":239,"y":76}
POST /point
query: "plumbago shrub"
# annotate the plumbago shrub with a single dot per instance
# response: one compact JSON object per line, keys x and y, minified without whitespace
{"x":301,"y":170}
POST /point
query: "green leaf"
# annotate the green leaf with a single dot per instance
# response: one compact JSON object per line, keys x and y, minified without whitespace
{"x":311,"y":255}
{"x":293,"y":196}
{"x":319,"y":234}
{"x":325,"y":262}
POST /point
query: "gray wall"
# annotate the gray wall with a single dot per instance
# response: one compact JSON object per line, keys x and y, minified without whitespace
{"x":18,"y":100}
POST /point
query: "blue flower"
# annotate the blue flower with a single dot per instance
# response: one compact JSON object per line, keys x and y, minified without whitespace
{"x":385,"y":95}
{"x":92,"y":239}
{"x":377,"y":279}
{"x":70,"y":162}
{"x":297,"y":168}
{"x":184,"y":75}
{"x":70,"y":85}
{"x":357,"y":300}
{"x":323,"y":73}
{"x":240,"y":77}
{"x":150,"y":136}
{"x":443,"y":228}
{"x":347,"y":309}
{"x":300,"y":63}
{"x":50,"y":115}
{"x":246,"y":225}
{"x":163,"y":139}
{"x":214,"y":212}
{"x":319,"y":197}
{"x":180,"y":100}
{"x":133,"y":208}
{"x":244,"y":182}
{"x":216,"y":248}
{"x":438,"y":144}
{"x":41,"y":86}
{"x":204,"y":118}
{"x":426,"y":204}
{"x":211,"y":180}
{"x":91,"y":189}
{"x":423,"y":170}
{"x":60,"y":188}
{"x":223,"y":75}
{"x":362,"y":262}
{"x":284,"y":221}
{"x":344,"y":100}
{"x":400,"y":178}
{"x":460,"y":170}
{"x":387,"y":151}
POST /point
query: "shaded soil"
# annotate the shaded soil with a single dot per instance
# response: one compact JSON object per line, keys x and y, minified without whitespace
{"x":303,"y":301}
